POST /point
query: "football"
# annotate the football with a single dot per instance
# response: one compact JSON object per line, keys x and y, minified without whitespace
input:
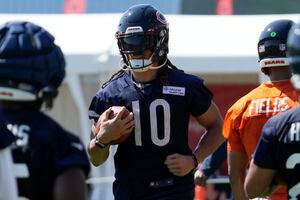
{"x":115,"y":111}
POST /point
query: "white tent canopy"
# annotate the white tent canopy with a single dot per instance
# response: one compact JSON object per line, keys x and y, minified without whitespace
{"x":211,"y":44}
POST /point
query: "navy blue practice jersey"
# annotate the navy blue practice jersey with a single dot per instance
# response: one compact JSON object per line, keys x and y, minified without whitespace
{"x":6,"y":137}
{"x":42,"y":151}
{"x":161,"y":115}
{"x":279,"y":149}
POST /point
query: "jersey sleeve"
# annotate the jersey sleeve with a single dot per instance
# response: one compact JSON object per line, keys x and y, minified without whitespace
{"x":201,"y":98}
{"x":70,"y":153}
{"x":230,"y":130}
{"x":265,"y":153}
{"x":97,"y":106}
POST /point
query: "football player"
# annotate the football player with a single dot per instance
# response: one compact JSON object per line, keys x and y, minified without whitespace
{"x":244,"y":120}
{"x":155,"y":162}
{"x":277,"y":157}
{"x":210,"y":165}
{"x":8,"y":187}
{"x":51,"y":162}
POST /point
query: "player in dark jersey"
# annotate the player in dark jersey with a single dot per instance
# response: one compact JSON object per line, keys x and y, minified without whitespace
{"x":8,"y":186}
{"x":155,"y":162}
{"x":51,"y":163}
{"x":277,"y":157}
{"x":210,"y":165}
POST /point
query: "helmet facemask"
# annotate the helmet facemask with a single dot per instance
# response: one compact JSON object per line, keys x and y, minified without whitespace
{"x":135,"y":42}
{"x":143,"y":28}
{"x":272,"y":53}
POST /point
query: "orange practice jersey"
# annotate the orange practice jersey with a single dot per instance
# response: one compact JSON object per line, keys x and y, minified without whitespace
{"x":245,"y":119}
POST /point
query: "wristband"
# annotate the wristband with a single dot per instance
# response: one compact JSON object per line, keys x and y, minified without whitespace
{"x":99,"y":144}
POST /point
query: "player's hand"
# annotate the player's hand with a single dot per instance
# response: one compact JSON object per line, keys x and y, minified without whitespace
{"x":179,"y":165}
{"x":108,"y":129}
{"x":200,"y":178}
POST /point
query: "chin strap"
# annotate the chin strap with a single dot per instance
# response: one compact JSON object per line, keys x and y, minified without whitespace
{"x":143,"y":69}
{"x":159,"y":66}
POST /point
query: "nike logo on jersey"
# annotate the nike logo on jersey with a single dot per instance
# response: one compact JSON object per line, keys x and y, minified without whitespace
{"x":179,"y":91}
{"x":77,"y":146}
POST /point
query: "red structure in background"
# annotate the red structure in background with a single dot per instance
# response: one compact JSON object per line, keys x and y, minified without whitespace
{"x":75,"y":6}
{"x":224,"y":7}
{"x":224,"y":97}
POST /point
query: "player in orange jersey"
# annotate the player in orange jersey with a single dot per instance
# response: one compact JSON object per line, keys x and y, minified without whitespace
{"x":244,"y":120}
{"x":276,"y":158}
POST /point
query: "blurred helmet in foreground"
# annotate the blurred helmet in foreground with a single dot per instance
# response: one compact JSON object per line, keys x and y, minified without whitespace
{"x":32,"y":66}
{"x":293,"y":52}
